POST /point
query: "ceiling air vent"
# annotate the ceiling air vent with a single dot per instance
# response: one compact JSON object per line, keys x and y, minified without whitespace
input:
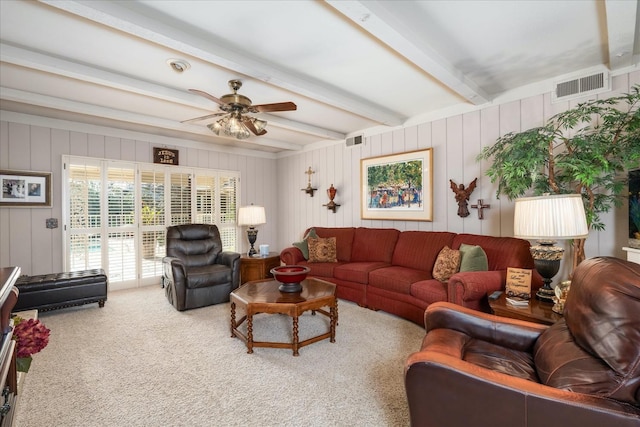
{"x":581,"y":86}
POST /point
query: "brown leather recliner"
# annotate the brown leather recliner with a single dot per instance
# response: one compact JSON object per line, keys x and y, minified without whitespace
{"x":197,"y":272}
{"x":477,"y":369}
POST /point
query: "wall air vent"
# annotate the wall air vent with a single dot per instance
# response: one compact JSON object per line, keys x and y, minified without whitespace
{"x":356,"y":140}
{"x":581,"y":86}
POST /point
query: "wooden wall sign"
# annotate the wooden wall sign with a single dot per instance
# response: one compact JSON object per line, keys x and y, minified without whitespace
{"x":165,"y":156}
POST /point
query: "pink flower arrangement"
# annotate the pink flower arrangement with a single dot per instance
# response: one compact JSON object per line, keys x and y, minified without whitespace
{"x":31,"y":336}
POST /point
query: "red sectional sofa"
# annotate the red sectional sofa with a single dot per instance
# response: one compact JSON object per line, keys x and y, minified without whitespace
{"x":390,"y":270}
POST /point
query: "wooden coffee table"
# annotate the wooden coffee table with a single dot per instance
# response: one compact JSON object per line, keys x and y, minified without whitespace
{"x":263,"y":296}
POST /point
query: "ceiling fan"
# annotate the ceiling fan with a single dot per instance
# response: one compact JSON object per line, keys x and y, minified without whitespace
{"x":235,"y":107}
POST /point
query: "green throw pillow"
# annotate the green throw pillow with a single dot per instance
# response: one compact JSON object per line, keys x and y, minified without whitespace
{"x":473,"y":258}
{"x":303,"y":245}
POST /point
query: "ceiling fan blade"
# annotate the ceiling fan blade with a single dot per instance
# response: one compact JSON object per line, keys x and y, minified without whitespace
{"x":279,"y":106}
{"x":249,"y":124}
{"x":206,"y":95}
{"x":208,"y":116}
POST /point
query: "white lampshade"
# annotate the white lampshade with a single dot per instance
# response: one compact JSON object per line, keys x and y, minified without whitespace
{"x":550,"y":217}
{"x":251,"y":215}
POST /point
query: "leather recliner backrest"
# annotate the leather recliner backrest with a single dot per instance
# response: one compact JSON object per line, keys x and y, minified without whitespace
{"x":602,"y":312}
{"x":195,"y":244}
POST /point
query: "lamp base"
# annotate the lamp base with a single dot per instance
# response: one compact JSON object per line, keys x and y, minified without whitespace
{"x":252,"y":235}
{"x":546,"y":258}
{"x":545,"y":294}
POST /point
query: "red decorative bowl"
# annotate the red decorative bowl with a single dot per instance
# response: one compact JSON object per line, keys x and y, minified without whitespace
{"x":290,"y":276}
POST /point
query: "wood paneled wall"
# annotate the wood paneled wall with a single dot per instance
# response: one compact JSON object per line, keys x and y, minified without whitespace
{"x":456,"y":141}
{"x":24,"y":239}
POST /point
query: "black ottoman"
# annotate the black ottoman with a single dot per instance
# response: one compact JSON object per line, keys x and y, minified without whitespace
{"x":59,"y":290}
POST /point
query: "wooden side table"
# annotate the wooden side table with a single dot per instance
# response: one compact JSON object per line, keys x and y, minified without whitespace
{"x":257,"y":267}
{"x":536,"y":311}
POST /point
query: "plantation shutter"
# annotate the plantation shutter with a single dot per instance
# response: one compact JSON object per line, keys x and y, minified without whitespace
{"x":180,"y":193}
{"x":227,"y":222}
{"x":152,"y":221}
{"x":83,"y":244}
{"x":121,"y":224}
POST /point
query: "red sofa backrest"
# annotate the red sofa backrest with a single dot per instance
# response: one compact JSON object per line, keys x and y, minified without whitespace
{"x":502,"y":252}
{"x":344,"y":240}
{"x":419,"y":249}
{"x":374,"y":244}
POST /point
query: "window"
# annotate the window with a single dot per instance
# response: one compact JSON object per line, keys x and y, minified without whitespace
{"x":116,"y":214}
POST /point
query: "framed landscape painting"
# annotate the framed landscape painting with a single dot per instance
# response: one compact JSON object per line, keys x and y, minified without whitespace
{"x":397,"y":187}
{"x":25,"y":189}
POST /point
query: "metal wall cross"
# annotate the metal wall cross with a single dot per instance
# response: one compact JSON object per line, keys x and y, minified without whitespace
{"x":481,"y":207}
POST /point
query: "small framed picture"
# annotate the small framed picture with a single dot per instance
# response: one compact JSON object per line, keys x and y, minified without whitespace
{"x":518,"y":283}
{"x":25,"y":189}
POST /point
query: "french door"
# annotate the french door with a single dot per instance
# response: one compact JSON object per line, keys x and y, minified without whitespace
{"x":116,"y":214}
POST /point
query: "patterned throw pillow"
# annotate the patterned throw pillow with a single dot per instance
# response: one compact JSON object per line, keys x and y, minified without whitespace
{"x":303,"y":245}
{"x":447,"y":264}
{"x":322,"y":250}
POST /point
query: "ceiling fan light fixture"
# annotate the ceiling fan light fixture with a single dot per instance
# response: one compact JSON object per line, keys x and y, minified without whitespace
{"x":230,"y":126}
{"x":215,"y":127}
{"x":260,"y":125}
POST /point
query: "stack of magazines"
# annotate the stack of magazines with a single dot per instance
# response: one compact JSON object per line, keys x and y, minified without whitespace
{"x":517,"y":301}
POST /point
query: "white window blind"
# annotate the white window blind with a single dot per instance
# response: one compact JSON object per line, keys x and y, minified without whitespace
{"x":117,"y":213}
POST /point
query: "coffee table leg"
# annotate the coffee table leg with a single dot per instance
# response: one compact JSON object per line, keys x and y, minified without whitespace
{"x":233,"y":319}
{"x":249,"y":333}
{"x":333,"y":311}
{"x":295,"y":336}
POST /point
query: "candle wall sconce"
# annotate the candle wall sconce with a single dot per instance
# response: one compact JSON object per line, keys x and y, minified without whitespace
{"x":331,"y":192}
{"x":309,"y":190}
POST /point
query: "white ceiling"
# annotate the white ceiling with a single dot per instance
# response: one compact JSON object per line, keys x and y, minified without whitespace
{"x":348,"y":65}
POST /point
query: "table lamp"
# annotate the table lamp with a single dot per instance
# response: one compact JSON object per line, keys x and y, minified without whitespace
{"x":251,"y":216}
{"x":549,"y":218}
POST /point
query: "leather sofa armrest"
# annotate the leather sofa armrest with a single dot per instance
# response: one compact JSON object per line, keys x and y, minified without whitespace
{"x":228,"y":258}
{"x":473,"y":286}
{"x":174,"y":269}
{"x":511,"y":333}
{"x":291,"y":256}
{"x":437,"y":383}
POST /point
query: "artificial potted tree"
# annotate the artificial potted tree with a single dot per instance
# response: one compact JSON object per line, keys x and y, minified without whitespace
{"x":583,"y":150}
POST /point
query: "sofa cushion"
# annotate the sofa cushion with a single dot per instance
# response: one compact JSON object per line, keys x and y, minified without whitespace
{"x":429,"y":291}
{"x":396,"y":278}
{"x":357,"y":271}
{"x":344,"y":240}
{"x":303,"y":245}
{"x":321,"y":269}
{"x":419,"y":249}
{"x":322,"y":249}
{"x":374,"y":244}
{"x":447,"y":264}
{"x":473,"y":258}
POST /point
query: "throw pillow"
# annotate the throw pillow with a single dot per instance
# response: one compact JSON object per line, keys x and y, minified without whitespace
{"x":447,"y":264}
{"x":473,"y":258}
{"x":322,"y":250}
{"x":304,"y":245}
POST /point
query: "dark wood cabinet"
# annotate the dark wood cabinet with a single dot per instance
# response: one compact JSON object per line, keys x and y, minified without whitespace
{"x":258,"y":267}
{"x":8,"y":298}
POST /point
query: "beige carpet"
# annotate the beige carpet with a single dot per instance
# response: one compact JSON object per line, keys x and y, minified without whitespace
{"x":139,"y":362}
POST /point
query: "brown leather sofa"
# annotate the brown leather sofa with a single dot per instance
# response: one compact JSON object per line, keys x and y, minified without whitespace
{"x":197,"y":272}
{"x":391,"y":270}
{"x":477,"y":369}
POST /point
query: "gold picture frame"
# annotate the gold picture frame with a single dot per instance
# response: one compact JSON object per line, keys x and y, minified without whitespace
{"x":25,"y":189}
{"x":397,"y":187}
